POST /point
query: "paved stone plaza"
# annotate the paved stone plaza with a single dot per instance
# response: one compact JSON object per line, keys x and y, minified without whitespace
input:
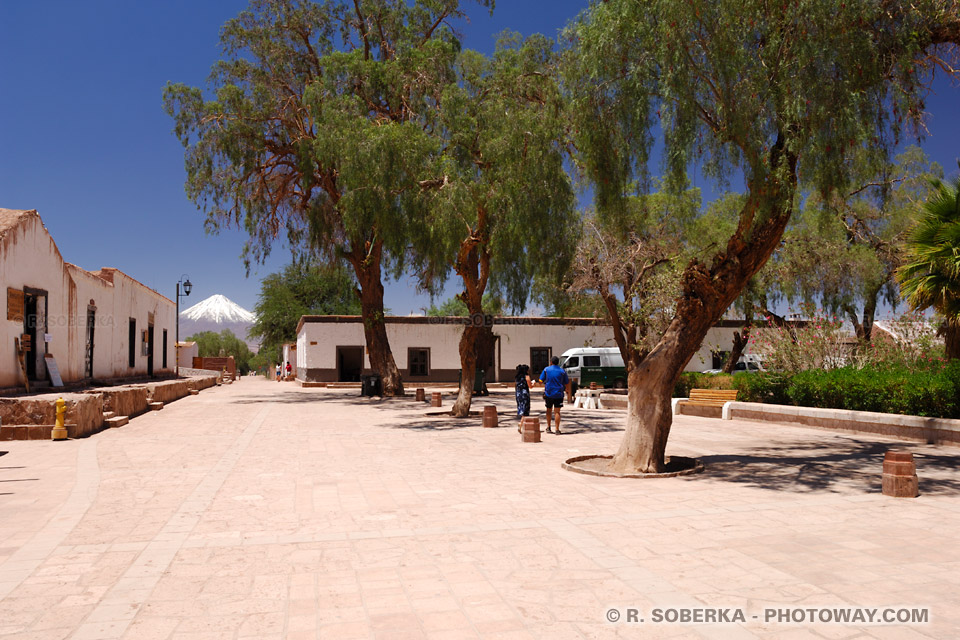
{"x":262,"y":510}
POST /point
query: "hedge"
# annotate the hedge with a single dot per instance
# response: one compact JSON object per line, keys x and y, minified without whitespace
{"x":931,"y":391}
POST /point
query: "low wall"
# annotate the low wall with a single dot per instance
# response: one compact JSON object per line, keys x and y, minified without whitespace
{"x":84,"y":411}
{"x":123,"y":401}
{"x":914,"y":428}
{"x":167,"y":391}
{"x":203,"y":380}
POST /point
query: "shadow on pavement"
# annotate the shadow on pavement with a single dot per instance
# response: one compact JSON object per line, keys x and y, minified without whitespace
{"x":825,"y":467}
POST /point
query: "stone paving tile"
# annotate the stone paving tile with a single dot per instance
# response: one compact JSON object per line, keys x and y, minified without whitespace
{"x":261,"y":510}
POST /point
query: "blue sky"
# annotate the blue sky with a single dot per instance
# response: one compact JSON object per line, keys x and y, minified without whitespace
{"x":85,"y":141}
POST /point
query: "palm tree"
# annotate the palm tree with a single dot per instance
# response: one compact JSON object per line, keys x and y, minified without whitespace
{"x":930,"y":276}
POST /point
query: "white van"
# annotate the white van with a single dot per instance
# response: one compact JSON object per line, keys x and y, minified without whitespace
{"x":603,"y":365}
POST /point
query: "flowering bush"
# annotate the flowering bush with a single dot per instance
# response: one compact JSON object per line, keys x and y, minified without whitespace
{"x":819,"y":343}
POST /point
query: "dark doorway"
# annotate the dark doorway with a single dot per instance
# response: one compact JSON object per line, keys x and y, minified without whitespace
{"x":150,"y":350}
{"x":35,"y":326}
{"x":349,"y":364}
{"x":88,"y":352}
{"x":132,"y":343}
{"x":164,"y":348}
{"x":539,"y":360}
{"x":30,"y":329}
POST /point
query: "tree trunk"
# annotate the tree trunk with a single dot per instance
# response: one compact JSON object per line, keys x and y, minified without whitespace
{"x":707,"y":293}
{"x":869,"y":314}
{"x":740,"y":342}
{"x":468,"y":369}
{"x":473,"y":266}
{"x":367,"y":267}
{"x":951,"y":336}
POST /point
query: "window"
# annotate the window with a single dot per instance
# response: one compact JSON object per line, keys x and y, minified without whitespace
{"x":132,"y":340}
{"x":591,"y":361}
{"x":572,"y":362}
{"x":164,"y":348}
{"x":418,"y":361}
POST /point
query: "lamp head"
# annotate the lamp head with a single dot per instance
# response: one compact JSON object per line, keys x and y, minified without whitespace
{"x":187,"y":286}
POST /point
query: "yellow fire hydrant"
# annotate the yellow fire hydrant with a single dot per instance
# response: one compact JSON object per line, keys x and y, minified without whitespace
{"x":59,"y":431}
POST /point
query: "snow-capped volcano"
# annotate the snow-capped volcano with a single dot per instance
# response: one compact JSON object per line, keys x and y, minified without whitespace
{"x":219,"y":309}
{"x":217,"y":313}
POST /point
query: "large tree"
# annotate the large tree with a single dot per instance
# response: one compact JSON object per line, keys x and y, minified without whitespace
{"x":503,"y":206}
{"x":930,"y":276}
{"x":843,"y":249}
{"x":300,"y":289}
{"x":769,"y":90}
{"x":320,"y":128}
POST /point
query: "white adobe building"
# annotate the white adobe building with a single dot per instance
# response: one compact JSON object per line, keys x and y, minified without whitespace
{"x":427,"y":349}
{"x":95,"y":324}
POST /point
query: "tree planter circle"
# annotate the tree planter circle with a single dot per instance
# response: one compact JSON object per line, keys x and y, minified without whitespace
{"x":597,"y":466}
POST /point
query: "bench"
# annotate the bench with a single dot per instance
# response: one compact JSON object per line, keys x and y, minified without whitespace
{"x":712,"y":397}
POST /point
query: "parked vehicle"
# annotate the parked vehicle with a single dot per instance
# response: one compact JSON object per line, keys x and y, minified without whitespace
{"x":748,"y":364}
{"x":603,"y":365}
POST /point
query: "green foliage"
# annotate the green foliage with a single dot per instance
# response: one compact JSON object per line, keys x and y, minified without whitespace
{"x":728,"y":81}
{"x":762,"y":387}
{"x":300,"y":289}
{"x":319,"y":123}
{"x":843,"y":249}
{"x":501,"y":213}
{"x":931,"y":275}
{"x":933,"y":391}
{"x":694,"y":380}
{"x":211,"y":344}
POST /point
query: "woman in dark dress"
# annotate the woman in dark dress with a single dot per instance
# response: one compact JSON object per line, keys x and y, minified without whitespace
{"x":523,"y":384}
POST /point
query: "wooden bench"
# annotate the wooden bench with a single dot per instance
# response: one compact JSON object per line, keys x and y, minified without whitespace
{"x":712,"y":397}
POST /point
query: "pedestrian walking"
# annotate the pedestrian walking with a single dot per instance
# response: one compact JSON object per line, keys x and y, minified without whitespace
{"x":555,"y":385}
{"x":523,"y":384}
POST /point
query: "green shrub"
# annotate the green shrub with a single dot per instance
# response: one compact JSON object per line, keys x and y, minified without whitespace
{"x":694,"y":380}
{"x":928,"y":391}
{"x":762,"y":387}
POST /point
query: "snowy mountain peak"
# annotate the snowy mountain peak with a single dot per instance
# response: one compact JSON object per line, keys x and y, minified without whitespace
{"x":219,"y":309}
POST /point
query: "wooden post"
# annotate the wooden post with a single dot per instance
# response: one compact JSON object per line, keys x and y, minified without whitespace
{"x":421,"y":395}
{"x":436,"y":399}
{"x":490,"y":417}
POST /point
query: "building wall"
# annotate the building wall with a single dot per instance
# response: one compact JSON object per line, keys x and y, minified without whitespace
{"x":317,"y":344}
{"x":188,"y":351}
{"x":29,"y":258}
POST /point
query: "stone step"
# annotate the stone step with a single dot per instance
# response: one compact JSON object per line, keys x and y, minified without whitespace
{"x":116,"y":421}
{"x":155,"y":406}
{"x":108,"y":414}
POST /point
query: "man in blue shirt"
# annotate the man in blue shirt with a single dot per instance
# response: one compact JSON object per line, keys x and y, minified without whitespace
{"x":555,"y":384}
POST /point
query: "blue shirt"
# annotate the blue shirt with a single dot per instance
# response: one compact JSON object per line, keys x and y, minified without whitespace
{"x":555,"y":381}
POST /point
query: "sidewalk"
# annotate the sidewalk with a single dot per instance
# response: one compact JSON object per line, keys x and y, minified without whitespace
{"x":263,"y":510}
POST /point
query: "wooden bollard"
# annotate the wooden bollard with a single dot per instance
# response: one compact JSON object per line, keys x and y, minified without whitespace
{"x":899,"y":475}
{"x":593,"y":386}
{"x":490,"y":417}
{"x":421,"y":395}
{"x":436,"y":399}
{"x":530,"y":429}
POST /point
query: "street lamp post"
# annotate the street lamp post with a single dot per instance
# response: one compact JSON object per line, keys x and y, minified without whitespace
{"x":184,"y":281}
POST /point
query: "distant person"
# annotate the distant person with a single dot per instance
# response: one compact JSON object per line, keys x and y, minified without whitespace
{"x":289,"y":369}
{"x":523,"y":384}
{"x":279,"y":371}
{"x":555,"y":385}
